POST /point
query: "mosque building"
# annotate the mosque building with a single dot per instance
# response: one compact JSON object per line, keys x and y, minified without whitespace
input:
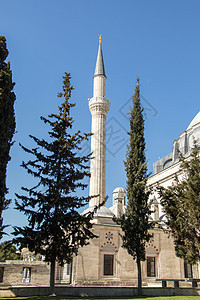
{"x":103,"y":261}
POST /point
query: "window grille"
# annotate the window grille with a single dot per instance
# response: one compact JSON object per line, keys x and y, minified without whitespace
{"x":26,"y":277}
{"x":188,"y":270}
{"x":151,"y":267}
{"x":108,"y":264}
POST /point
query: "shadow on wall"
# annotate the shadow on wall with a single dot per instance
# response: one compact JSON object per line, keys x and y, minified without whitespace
{"x":95,"y":291}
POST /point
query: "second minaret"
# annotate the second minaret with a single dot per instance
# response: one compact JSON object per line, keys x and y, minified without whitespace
{"x":99,"y":106}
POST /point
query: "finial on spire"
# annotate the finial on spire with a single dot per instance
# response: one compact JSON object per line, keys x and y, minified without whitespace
{"x":99,"y":70}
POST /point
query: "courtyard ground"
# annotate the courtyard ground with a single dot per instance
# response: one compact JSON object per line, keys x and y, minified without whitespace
{"x":93,"y":298}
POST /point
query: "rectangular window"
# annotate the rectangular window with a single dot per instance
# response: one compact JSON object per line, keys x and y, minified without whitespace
{"x":188,"y":270}
{"x":108,"y":264}
{"x":57,"y":272}
{"x":68,"y":271}
{"x":151,"y":267}
{"x":63,"y":273}
{"x":1,"y":274}
{"x":26,"y":277}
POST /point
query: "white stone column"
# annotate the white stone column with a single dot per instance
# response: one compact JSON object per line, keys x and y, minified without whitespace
{"x":99,"y":106}
{"x":99,"y":109}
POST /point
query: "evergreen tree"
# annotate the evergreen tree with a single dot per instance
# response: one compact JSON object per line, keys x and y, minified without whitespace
{"x":135,"y":223}
{"x":181,"y":203}
{"x":9,"y":252}
{"x":55,"y":227}
{"x":7,"y":124}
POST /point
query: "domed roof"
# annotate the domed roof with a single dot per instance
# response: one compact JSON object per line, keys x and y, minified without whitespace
{"x":119,"y":190}
{"x":195,"y":121}
{"x":103,"y":212}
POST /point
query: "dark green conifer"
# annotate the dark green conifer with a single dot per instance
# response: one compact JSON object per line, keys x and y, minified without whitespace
{"x":7,"y":124}
{"x":8,"y":251}
{"x":181,"y":203}
{"x":55,"y":227}
{"x":135,"y":223}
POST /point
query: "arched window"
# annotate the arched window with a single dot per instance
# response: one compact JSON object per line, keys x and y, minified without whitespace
{"x":155,"y":209}
{"x":167,"y":162}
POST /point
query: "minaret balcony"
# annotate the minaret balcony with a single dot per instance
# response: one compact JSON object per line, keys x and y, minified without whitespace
{"x":102,"y":103}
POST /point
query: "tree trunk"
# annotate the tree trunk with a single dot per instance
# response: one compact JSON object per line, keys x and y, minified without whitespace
{"x":139,"y":277}
{"x":52,"y":277}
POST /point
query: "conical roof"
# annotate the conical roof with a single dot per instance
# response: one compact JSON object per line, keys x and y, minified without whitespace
{"x":99,"y":70}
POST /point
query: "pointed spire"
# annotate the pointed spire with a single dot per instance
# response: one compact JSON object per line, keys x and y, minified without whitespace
{"x":99,"y":70}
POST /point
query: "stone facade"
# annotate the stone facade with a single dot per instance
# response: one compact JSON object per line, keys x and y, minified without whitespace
{"x":164,"y":169}
{"x":161,"y":262}
{"x":27,"y":273}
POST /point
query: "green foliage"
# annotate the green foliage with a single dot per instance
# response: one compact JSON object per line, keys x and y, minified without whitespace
{"x":9,"y":252}
{"x":7,"y":123}
{"x":181,"y":203}
{"x":55,"y":227}
{"x":113,"y":298}
{"x":135,"y":223}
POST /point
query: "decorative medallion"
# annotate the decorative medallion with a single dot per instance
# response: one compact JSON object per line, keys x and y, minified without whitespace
{"x":109,"y":238}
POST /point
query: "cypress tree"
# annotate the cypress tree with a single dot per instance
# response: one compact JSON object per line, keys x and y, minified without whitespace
{"x":7,"y":124}
{"x":135,"y":223}
{"x":55,"y":227}
{"x":181,"y":203}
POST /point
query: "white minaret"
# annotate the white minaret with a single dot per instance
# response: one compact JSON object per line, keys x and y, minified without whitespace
{"x":99,"y":106}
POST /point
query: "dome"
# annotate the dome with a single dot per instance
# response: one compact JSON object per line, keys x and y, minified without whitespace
{"x":195,"y":121}
{"x":119,"y":190}
{"x":103,"y":212}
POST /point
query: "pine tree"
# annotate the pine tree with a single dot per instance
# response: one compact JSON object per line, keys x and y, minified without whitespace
{"x":7,"y":124}
{"x":181,"y":203}
{"x":8,"y":251}
{"x":135,"y":223}
{"x":55,"y":227}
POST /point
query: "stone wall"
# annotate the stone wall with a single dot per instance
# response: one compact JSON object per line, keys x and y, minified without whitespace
{"x":88,"y":266}
{"x":14,"y":273}
{"x":97,"y":291}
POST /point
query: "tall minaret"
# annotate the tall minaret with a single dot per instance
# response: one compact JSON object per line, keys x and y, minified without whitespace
{"x":99,"y":106}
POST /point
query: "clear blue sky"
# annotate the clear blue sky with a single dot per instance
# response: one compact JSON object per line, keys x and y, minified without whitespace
{"x":157,"y":40}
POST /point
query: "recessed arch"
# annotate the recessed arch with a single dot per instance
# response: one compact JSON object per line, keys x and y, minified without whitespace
{"x":150,"y":251}
{"x":108,"y":248}
{"x":166,"y":163}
